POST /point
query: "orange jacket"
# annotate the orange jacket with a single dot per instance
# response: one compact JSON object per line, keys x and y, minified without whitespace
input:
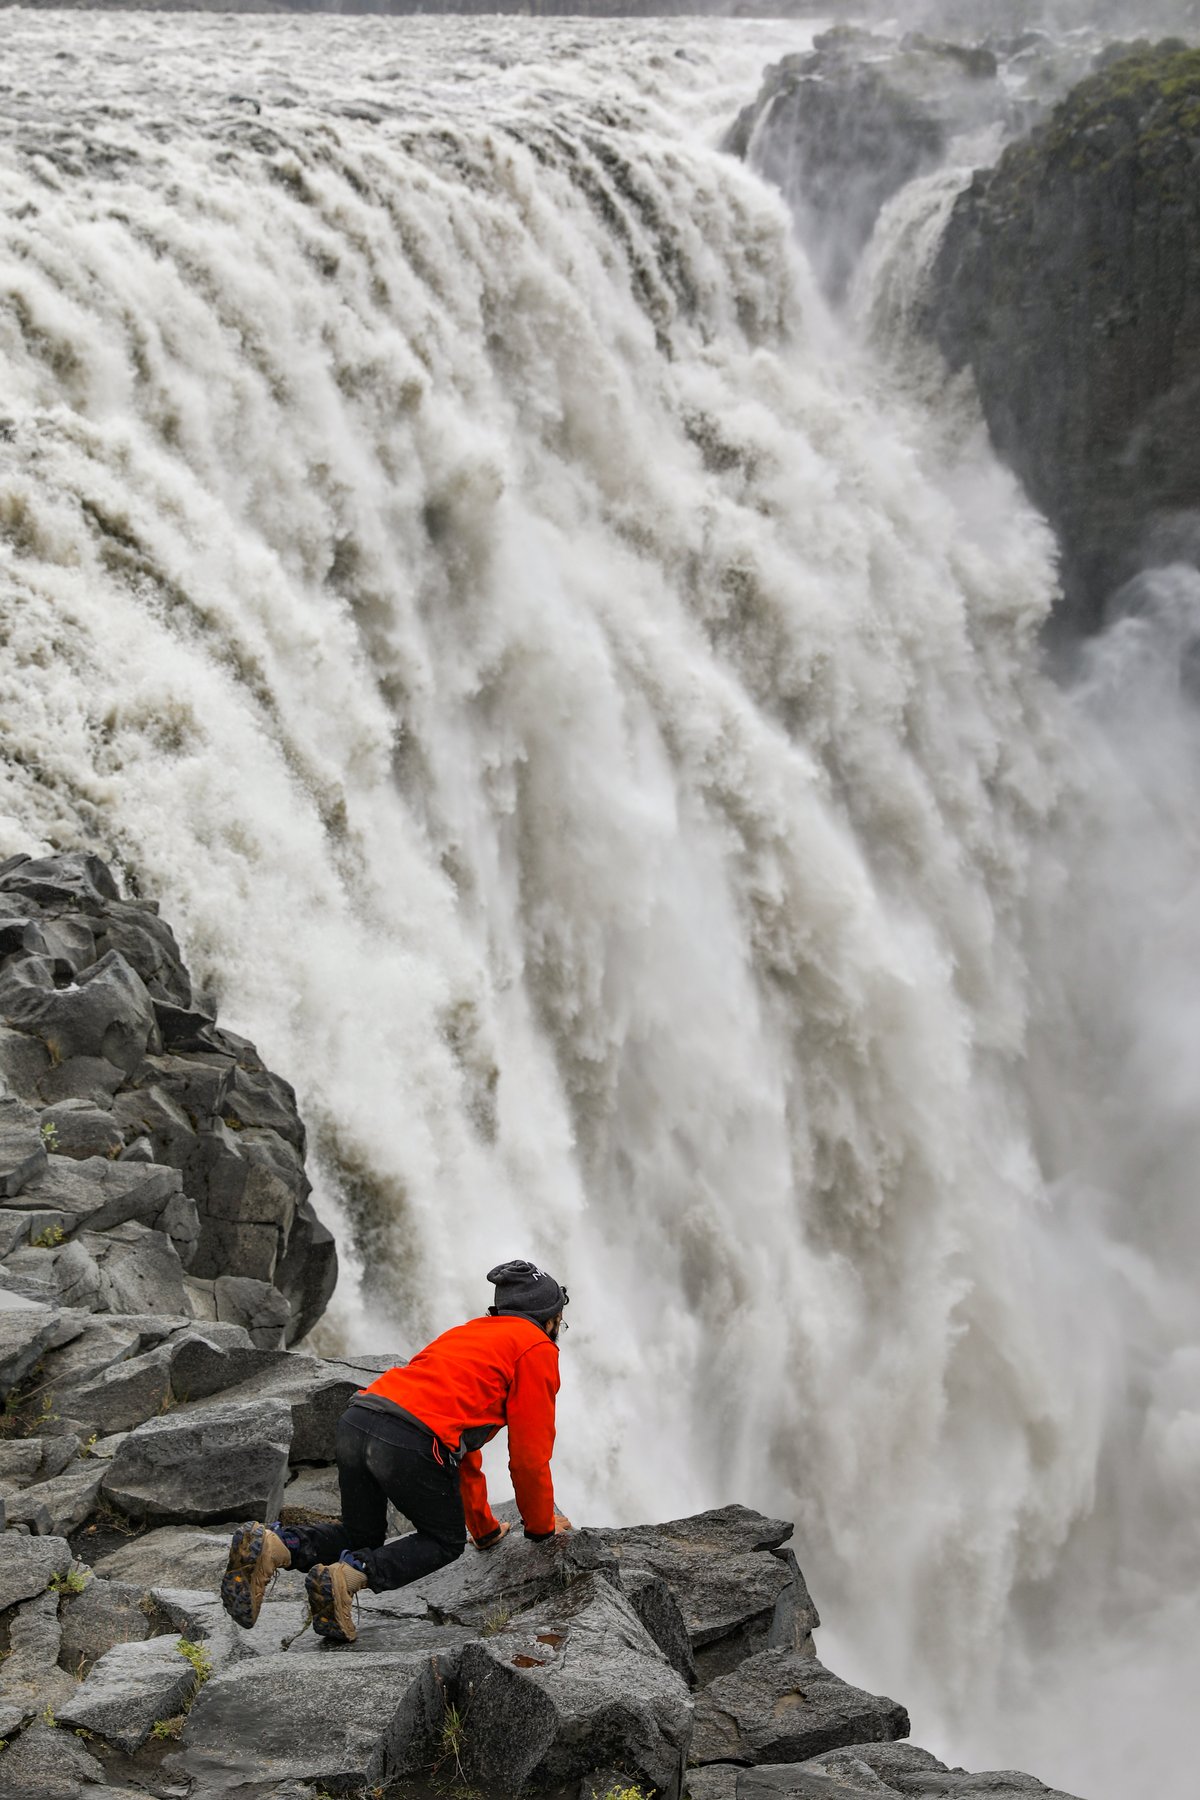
{"x":475,"y":1378}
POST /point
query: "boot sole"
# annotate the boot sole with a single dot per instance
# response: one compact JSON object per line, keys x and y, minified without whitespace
{"x":237,"y":1583}
{"x":322,"y":1603}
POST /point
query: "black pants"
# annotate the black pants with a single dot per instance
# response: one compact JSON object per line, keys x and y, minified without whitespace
{"x":381,"y":1459}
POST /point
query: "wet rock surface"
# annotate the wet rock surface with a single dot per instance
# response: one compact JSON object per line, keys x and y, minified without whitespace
{"x":152,"y":1406}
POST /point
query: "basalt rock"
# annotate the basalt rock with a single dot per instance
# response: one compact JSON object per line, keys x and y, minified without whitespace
{"x":781,"y":1707}
{"x":1069,"y":281}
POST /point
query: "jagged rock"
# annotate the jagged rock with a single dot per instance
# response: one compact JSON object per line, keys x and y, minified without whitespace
{"x":785,"y":1781}
{"x":850,"y":1780}
{"x":105,"y":1013}
{"x":26,"y":1333}
{"x":103,"y":1342}
{"x":316,"y":1391}
{"x":30,"y":1678}
{"x":737,"y":1591}
{"x":483,"y":1585}
{"x":60,"y":1504}
{"x":140,"y":1271}
{"x":45,"y":1764}
{"x":894,"y":1763}
{"x":339,"y":1721}
{"x":29,"y":1564}
{"x":780,"y":1706}
{"x":101,"y":1194}
{"x":1069,"y":280}
{"x":220,"y":1460}
{"x":152,"y":1113}
{"x":24,"y":1061}
{"x":838,"y":143}
{"x":306,"y":1274}
{"x":104,"y":1614}
{"x":80,"y":1129}
{"x":658,"y":1610}
{"x":71,"y":876}
{"x":121,"y":1396}
{"x":572,"y":1683}
{"x":20,"y":1460}
{"x":66,"y":1275}
{"x":91,"y":1078}
{"x":258,"y":1307}
{"x":129,"y":1688}
{"x":22,"y":1147}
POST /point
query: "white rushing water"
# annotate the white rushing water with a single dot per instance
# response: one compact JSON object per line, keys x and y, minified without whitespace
{"x":582,"y":715}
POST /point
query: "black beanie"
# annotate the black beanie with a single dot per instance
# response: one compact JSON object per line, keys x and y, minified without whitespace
{"x":521,"y":1287}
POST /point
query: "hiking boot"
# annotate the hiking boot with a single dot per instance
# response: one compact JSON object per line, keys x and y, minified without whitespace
{"x":331,"y":1588}
{"x":254,"y":1556}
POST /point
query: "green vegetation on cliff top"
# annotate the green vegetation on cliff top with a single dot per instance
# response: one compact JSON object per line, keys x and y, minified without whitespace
{"x":1140,"y":106}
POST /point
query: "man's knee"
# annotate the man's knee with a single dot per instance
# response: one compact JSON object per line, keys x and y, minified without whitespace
{"x":451,"y":1549}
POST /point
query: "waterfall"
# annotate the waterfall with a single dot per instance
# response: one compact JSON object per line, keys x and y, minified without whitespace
{"x":581,"y":711}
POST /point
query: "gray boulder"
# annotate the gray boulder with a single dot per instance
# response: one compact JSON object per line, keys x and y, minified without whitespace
{"x":483,"y":1586}
{"x":895,"y":1764}
{"x":22,"y":1147}
{"x":140,"y":1271}
{"x":81,"y":1129}
{"x":737,"y":1590}
{"x":30,"y":1678}
{"x":316,"y":1391}
{"x":257,"y":1306}
{"x":29,"y":1564}
{"x":569,"y":1686}
{"x":219,"y":1460}
{"x":20,"y":1462}
{"x":172,"y":1557}
{"x":27,"y":1331}
{"x":780,"y":1706}
{"x":45,"y":1764}
{"x":339,"y":1721}
{"x":71,"y":877}
{"x":130,"y":1688}
{"x":846,"y":1780}
{"x":24,"y":1061}
{"x":106,"y":1613}
{"x":121,"y":1396}
{"x":306,"y":1273}
{"x":106,"y":1013}
{"x":58,"y":1506}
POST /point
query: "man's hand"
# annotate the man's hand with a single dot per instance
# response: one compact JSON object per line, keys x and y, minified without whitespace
{"x":494,"y":1537}
{"x":562,"y":1524}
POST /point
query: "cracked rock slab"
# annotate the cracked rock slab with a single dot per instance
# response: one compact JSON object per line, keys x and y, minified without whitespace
{"x":781,"y":1707}
{"x":131,"y":1687}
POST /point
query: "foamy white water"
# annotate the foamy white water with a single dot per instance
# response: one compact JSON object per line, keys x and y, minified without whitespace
{"x":582,"y":716}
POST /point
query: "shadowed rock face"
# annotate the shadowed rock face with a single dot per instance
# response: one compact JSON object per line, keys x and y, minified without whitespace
{"x":842,"y":129}
{"x":126,"y":1110}
{"x":1069,"y":281}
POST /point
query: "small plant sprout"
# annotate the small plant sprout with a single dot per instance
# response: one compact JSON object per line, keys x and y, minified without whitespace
{"x":199,"y":1658}
{"x":49,"y":1239}
{"x":50,"y":1136}
{"x":167,"y":1728}
{"x":496,"y":1620}
{"x":73,"y":1582}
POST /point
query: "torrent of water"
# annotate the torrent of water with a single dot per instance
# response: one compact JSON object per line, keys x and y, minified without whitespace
{"x":582,"y":713}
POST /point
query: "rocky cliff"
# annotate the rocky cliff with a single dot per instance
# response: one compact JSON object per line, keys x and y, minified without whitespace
{"x":1069,"y":281}
{"x":157,"y":1245}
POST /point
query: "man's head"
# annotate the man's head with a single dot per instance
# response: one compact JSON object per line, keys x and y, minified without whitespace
{"x":527,"y":1291}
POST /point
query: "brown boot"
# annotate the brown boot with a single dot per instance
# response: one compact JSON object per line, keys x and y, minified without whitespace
{"x":254,"y":1556}
{"x":331,"y":1588}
